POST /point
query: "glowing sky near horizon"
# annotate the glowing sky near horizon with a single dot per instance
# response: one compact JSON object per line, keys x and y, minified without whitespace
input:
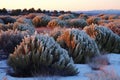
{"x":66,"y":5}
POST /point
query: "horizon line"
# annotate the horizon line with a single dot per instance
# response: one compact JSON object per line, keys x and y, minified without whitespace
{"x":63,"y":10}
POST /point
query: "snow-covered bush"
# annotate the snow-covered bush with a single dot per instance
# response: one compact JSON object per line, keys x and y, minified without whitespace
{"x":41,"y":20}
{"x":79,"y":45}
{"x":66,"y":16}
{"x":41,"y":54}
{"x":93,"y":20}
{"x":10,"y":39}
{"x":104,"y":37}
{"x":24,"y":27}
{"x":77,"y":23}
{"x":56,"y":23}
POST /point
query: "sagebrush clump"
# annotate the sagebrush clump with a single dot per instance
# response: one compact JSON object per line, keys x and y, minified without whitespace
{"x":79,"y":45}
{"x":93,"y":20}
{"x":41,"y":54}
{"x":106,"y":40}
{"x":5,"y":27}
{"x":56,"y":32}
{"x":31,"y":15}
{"x":1,"y":21}
{"x":104,"y":17}
{"x":7,"y":19}
{"x":25,"y":21}
{"x":83,"y":16}
{"x":114,"y":26}
{"x":66,"y":16}
{"x":77,"y":23}
{"x":41,"y":20}
{"x":24,"y":27}
{"x":57,"y":23}
{"x":10,"y":39}
{"x":113,"y":17}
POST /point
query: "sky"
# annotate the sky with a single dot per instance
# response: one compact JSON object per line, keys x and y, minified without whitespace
{"x":67,"y":5}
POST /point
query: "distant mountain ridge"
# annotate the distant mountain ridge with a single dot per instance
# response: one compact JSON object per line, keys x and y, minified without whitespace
{"x":96,"y":12}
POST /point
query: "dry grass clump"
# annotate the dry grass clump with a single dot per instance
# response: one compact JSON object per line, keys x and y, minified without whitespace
{"x":42,"y":55}
{"x":104,"y":37}
{"x":77,"y":23}
{"x":56,"y":22}
{"x":93,"y":20}
{"x":79,"y":45}
{"x":10,"y":39}
{"x":41,"y":20}
{"x":66,"y":16}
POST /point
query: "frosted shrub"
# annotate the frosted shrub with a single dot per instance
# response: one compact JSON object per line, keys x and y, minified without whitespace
{"x":79,"y":45}
{"x":83,"y":16}
{"x":31,"y":16}
{"x":115,"y":27}
{"x":113,"y":17}
{"x":5,"y":27}
{"x":104,"y":37}
{"x":104,"y":17}
{"x":41,"y":54}
{"x":25,"y":21}
{"x":10,"y":39}
{"x":77,"y":23}
{"x":41,"y":20}
{"x":1,"y":21}
{"x":8,"y":19}
{"x":93,"y":20}
{"x":103,"y":22}
{"x":66,"y":16}
{"x":24,"y":27}
{"x":56,"y":22}
{"x":56,"y":32}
